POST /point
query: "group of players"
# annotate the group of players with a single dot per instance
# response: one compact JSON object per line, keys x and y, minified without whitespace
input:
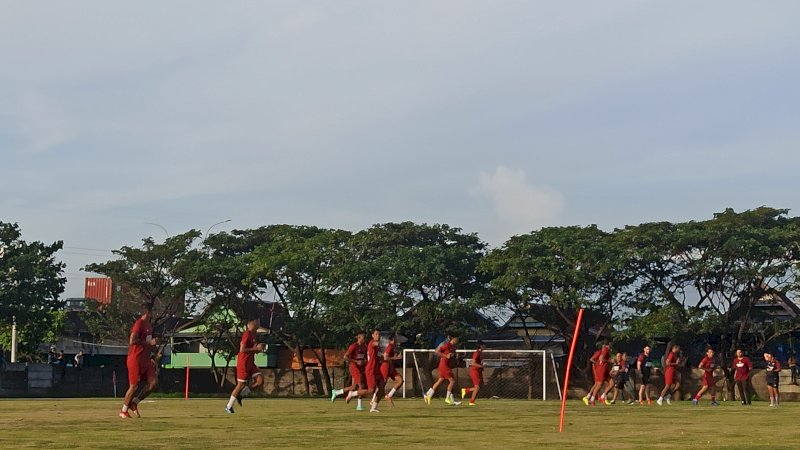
{"x":370,"y":368}
{"x":613,"y":373}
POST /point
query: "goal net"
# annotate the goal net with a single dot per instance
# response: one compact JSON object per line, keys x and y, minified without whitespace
{"x":520,"y":374}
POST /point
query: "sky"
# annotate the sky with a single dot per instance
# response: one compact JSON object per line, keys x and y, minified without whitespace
{"x":499,"y":117}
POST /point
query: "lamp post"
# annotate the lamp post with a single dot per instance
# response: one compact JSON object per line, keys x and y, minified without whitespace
{"x":14,"y":339}
{"x":212,"y":226}
{"x":159,"y":226}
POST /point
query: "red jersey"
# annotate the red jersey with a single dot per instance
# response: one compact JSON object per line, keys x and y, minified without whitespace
{"x":446,"y":349}
{"x":477,"y":358}
{"x":390,"y":353}
{"x":742,"y":368}
{"x":357,"y":354}
{"x":144,"y":332}
{"x":672,"y":358}
{"x":596,"y":357}
{"x":708,"y":364}
{"x":249,"y":341}
{"x":373,"y":357}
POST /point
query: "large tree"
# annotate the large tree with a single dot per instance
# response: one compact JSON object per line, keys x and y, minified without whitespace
{"x":31,"y":280}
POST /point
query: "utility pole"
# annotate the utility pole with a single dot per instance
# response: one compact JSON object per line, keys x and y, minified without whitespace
{"x":14,"y":339}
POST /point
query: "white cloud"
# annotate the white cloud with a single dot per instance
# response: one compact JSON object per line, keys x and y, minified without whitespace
{"x":519,"y":206}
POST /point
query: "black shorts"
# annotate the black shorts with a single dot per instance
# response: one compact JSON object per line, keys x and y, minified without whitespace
{"x":645,"y":378}
{"x":620,"y":383}
{"x":772,"y":383}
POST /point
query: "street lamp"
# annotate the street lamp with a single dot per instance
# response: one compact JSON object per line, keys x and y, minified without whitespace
{"x":159,"y":226}
{"x":212,"y":226}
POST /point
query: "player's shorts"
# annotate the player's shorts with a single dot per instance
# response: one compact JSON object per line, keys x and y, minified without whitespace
{"x":357,"y":375}
{"x":445,"y":372}
{"x":708,"y":379}
{"x":670,"y":377}
{"x":601,"y":373}
{"x":246,"y":371}
{"x":140,"y":370}
{"x":388,"y":372}
{"x":620,"y":382}
{"x":374,"y":379}
{"x":772,"y":382}
{"x":477,"y":377}
{"x":644,"y":378}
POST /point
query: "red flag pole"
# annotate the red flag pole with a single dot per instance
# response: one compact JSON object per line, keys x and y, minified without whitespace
{"x":186,"y":395}
{"x":569,"y":367}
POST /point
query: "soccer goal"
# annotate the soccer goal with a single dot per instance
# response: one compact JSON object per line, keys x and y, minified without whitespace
{"x":520,"y":374}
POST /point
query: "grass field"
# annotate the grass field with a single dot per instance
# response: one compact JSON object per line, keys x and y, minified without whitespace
{"x":303,"y":423}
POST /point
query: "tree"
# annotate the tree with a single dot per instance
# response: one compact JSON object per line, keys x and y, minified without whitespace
{"x":155,"y":273}
{"x":31,"y":280}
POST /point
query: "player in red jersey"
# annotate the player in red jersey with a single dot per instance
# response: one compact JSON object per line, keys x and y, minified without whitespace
{"x":246,"y":370}
{"x":388,"y":371}
{"x":475,"y":373}
{"x":709,"y":365}
{"x":602,"y":375}
{"x":742,"y":367}
{"x":375,"y":382}
{"x":356,"y":359}
{"x":772,"y":373}
{"x":447,"y":357}
{"x":670,"y":375}
{"x":141,"y":366}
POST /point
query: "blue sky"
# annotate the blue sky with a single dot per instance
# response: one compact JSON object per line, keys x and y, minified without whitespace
{"x":497,"y":116}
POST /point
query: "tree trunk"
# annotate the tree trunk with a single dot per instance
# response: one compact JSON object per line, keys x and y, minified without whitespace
{"x":323,"y":367}
{"x":298,"y":351}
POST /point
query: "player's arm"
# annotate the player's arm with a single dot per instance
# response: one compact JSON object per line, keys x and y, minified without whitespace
{"x":593,"y":361}
{"x":134,"y":339}
{"x":441,"y":352}
{"x":243,"y":348}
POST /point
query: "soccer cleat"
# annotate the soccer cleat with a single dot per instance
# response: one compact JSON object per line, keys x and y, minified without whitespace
{"x":471,"y":403}
{"x":591,"y":403}
{"x":333,"y":395}
{"x":455,"y":403}
{"x":229,"y":410}
{"x":641,"y":402}
{"x":586,"y":401}
{"x":239,"y":399}
{"x":359,"y":408}
{"x":607,"y":402}
{"x":695,"y":402}
{"x":374,"y":410}
{"x":613,"y":402}
{"x":134,"y":408}
{"x":427,"y":399}
{"x":348,"y":398}
{"x":714,"y":403}
{"x":125,"y":415}
{"x":389,"y":400}
{"x":649,"y":402}
{"x":660,"y":402}
{"x":448,"y":401}
{"x":632,"y":402}
{"x":744,"y":403}
{"x":463,"y":393}
{"x":669,"y":402}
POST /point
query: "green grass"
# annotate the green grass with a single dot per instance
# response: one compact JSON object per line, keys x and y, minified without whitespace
{"x":304,"y":423}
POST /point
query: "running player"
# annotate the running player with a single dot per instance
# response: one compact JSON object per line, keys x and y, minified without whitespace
{"x":602,"y":374}
{"x":670,"y":376}
{"x":388,"y":371}
{"x":447,"y":356}
{"x":375,"y":381}
{"x":475,"y":373}
{"x":742,"y":367}
{"x":356,"y":358}
{"x":644,"y":367}
{"x":141,"y":366}
{"x":248,"y":376}
{"x":709,"y":365}
{"x":772,"y":372}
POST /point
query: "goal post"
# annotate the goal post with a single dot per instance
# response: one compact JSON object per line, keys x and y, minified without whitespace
{"x":519,"y":374}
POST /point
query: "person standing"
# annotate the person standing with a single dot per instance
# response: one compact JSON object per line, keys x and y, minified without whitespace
{"x":375,"y":381}
{"x":792,"y":363}
{"x":741,"y":376}
{"x":388,"y":370}
{"x":78,"y":361}
{"x":447,"y":356}
{"x":475,"y":374}
{"x":644,"y":367}
{"x":141,"y":367}
{"x":708,"y":365}
{"x":248,"y":375}
{"x":602,"y":374}
{"x":670,"y":375}
{"x":773,"y":372}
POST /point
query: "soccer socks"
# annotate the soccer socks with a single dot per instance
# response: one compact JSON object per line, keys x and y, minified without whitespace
{"x":430,"y":392}
{"x":230,"y":402}
{"x":391,"y":393}
{"x":124,"y":408}
{"x":359,"y":403}
{"x":338,"y":392}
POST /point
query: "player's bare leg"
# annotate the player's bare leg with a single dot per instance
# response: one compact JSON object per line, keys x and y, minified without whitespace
{"x":604,"y":395}
{"x":700,"y":393}
{"x":128,"y":400}
{"x":590,"y":395}
{"x":449,"y":399}
{"x":474,"y":396}
{"x":147,"y":389}
{"x":432,"y":390}
{"x":235,"y":395}
{"x":398,"y":383}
